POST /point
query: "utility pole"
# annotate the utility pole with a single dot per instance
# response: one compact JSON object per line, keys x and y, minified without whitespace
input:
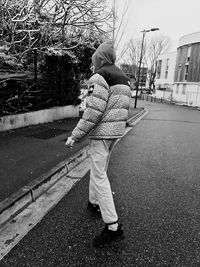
{"x":140,"y":62}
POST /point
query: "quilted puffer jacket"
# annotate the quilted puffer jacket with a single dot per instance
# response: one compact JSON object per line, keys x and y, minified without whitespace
{"x":107,"y":105}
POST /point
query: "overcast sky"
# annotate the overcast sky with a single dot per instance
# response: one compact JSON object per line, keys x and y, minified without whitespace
{"x":174,"y":18}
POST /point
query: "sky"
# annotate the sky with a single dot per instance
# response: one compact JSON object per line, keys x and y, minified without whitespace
{"x":174,"y":18}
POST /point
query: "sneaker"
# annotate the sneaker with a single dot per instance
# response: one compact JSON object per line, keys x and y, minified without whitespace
{"x":94,"y":208}
{"x":108,"y":236}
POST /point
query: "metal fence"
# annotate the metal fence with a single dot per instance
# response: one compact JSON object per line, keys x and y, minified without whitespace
{"x":151,"y":98}
{"x":154,"y":99}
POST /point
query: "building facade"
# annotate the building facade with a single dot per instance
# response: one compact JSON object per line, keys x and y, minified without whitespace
{"x":178,"y":73}
{"x":186,"y":88}
{"x":165,"y":75}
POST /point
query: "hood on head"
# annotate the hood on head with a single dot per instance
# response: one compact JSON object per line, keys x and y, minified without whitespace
{"x":104,"y":55}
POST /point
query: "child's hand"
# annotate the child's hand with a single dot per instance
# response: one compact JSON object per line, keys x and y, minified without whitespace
{"x":70,"y":142}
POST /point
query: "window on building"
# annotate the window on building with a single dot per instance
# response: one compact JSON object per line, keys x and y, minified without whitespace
{"x":177,"y":88}
{"x":158,"y":69}
{"x":184,"y":89}
{"x":188,"y":53}
{"x":179,"y":72}
{"x":187,"y":63}
{"x":186,"y":71}
{"x":167,"y":68}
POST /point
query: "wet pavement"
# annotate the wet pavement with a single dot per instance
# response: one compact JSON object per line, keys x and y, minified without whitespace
{"x":154,"y":174}
{"x":29,"y":152}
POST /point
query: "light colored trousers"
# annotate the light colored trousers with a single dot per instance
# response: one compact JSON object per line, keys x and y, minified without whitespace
{"x":99,"y":188}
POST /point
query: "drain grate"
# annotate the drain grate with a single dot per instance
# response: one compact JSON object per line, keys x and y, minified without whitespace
{"x":47,"y":134}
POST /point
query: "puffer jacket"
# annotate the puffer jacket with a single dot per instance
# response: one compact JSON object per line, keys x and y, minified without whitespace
{"x":107,"y":105}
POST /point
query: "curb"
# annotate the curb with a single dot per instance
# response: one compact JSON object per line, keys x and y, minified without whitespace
{"x":13,"y":205}
{"x":138,"y":115}
{"x":18,"y":201}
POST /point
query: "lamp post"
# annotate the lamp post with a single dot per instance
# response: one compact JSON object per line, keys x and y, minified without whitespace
{"x":139,"y":67}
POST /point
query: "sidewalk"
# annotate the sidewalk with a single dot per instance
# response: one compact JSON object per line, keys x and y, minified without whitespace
{"x":27,"y":153}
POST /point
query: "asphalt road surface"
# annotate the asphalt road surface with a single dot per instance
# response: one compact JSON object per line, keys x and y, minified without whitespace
{"x":155,"y":176}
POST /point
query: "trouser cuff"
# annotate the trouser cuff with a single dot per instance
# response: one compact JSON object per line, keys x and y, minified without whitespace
{"x":112,"y":223}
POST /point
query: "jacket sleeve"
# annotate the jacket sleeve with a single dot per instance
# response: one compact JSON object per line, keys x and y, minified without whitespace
{"x":95,"y":107}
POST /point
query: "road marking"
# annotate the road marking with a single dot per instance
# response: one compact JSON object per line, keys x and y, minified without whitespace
{"x":16,"y":229}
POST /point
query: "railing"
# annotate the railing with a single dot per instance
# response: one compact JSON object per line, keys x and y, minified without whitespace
{"x":155,"y":99}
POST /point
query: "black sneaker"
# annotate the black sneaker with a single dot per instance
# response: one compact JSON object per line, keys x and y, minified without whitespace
{"x":94,"y":208}
{"x":108,"y":236}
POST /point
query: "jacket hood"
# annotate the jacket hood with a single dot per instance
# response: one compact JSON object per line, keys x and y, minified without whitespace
{"x":104,"y":55}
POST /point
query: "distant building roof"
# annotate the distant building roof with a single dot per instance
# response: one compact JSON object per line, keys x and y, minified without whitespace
{"x":190,"y":38}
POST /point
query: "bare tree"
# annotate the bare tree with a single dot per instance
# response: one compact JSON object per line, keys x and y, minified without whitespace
{"x":41,"y":23}
{"x":151,"y":50}
{"x":120,"y":20}
{"x":156,"y":46}
{"x":134,"y":52}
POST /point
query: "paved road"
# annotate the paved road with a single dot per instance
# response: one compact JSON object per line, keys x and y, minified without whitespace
{"x":29,"y":152}
{"x":154,"y":172}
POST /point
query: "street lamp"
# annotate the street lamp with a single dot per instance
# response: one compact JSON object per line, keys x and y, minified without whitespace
{"x":139,"y":68}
